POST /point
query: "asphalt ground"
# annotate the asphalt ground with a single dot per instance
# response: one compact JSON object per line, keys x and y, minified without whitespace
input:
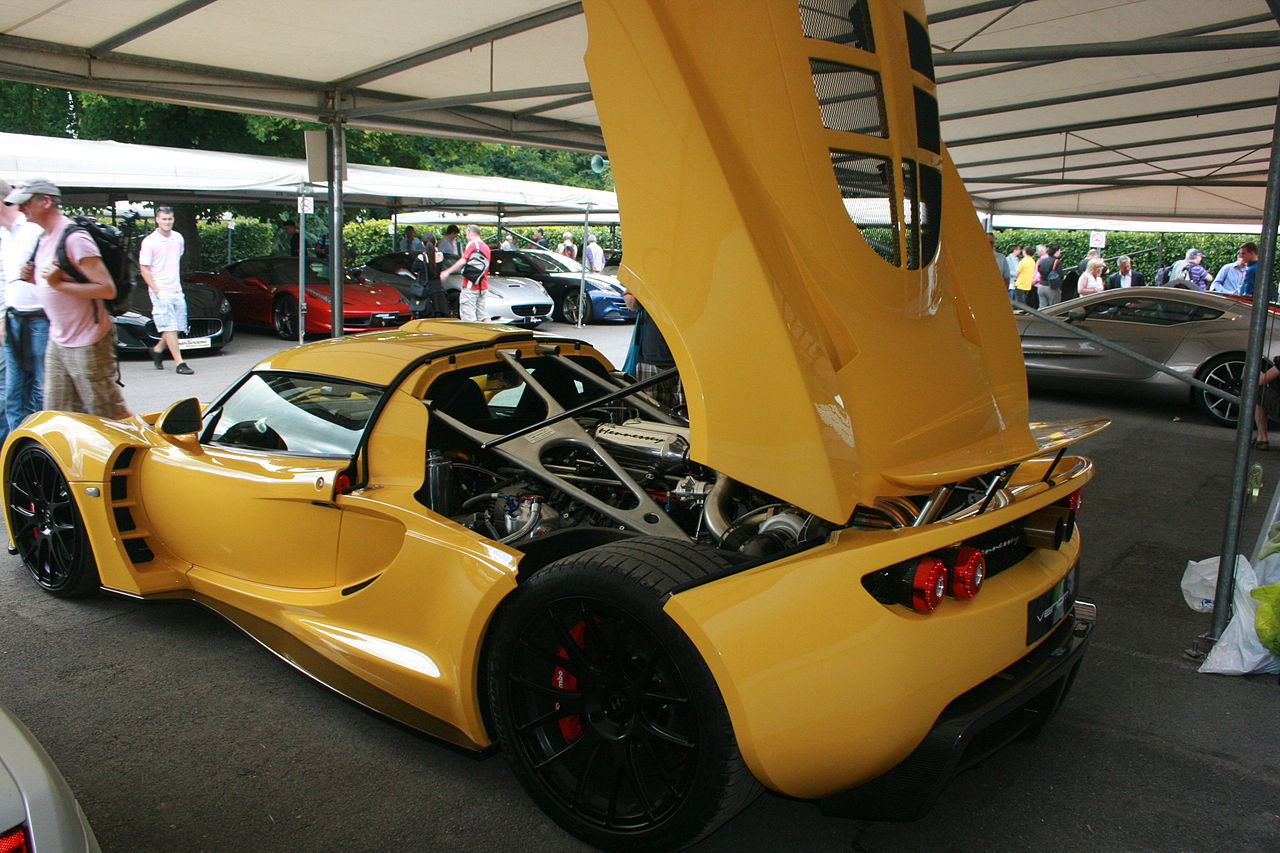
{"x":178,"y":733}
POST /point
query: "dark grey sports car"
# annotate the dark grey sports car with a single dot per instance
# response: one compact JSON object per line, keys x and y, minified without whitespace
{"x":210,"y":326}
{"x":1203,"y":335}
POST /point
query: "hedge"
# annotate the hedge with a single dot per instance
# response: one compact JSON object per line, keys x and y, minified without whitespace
{"x":1218,"y":249}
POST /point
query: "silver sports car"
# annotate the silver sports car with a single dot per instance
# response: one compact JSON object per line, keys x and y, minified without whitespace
{"x":1203,"y":335}
{"x":38,"y":812}
{"x":509,"y":300}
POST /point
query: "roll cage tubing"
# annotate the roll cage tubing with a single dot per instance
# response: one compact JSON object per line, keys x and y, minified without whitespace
{"x":357,"y":470}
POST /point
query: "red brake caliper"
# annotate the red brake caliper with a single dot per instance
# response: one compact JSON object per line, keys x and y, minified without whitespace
{"x":570,"y":726}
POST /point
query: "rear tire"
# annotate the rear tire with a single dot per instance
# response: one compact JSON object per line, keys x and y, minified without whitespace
{"x":284,"y":317}
{"x":47,"y":529}
{"x":1225,"y":372}
{"x":609,"y":716}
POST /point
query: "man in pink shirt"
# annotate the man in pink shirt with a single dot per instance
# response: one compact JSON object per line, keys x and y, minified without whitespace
{"x":80,"y":360}
{"x":160,"y":260}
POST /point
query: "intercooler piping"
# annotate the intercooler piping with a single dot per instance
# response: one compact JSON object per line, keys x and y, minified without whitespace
{"x":713,"y":511}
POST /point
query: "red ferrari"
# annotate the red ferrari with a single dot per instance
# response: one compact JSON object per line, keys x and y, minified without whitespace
{"x":264,"y":292}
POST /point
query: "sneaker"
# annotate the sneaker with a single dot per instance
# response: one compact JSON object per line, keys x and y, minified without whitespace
{"x":157,"y":358}
{"x":184,"y":368}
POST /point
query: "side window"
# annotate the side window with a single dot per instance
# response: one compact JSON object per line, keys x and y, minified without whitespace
{"x":308,"y":415}
{"x":1153,"y":312}
{"x":894,"y":199}
{"x":845,"y":22}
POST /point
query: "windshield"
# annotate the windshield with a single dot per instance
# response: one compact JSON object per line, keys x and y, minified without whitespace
{"x":311,"y":415}
{"x":285,"y":271}
{"x":554,"y":263}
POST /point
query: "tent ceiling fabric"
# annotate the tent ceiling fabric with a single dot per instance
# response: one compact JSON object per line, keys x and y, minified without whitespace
{"x":95,"y":172}
{"x":1135,"y":108}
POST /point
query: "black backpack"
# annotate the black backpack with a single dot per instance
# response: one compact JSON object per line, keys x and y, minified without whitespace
{"x":113,"y":243}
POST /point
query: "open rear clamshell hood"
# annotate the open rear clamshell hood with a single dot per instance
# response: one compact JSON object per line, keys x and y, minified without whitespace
{"x":805,"y":244}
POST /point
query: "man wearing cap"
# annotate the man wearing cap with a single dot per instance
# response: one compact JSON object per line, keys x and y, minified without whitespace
{"x":25,"y":329}
{"x":80,"y":360}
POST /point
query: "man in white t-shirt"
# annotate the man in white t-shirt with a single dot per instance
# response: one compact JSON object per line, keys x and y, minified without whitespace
{"x":160,"y":261}
{"x":25,"y":329}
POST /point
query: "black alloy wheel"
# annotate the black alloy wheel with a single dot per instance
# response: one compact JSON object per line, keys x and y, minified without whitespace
{"x":571,"y":304}
{"x":284,"y":317}
{"x":606,"y":711}
{"x":1225,"y":372}
{"x":47,"y":528}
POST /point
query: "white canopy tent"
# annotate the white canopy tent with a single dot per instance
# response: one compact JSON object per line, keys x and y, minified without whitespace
{"x":1143,"y":108}
{"x":98,"y":172}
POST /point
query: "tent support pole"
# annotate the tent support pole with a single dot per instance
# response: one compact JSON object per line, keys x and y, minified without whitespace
{"x":335,"y":137}
{"x":582,"y":259}
{"x":1263,"y":295}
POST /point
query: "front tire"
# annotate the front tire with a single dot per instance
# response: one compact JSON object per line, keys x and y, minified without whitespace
{"x":609,"y":716}
{"x":571,"y":308}
{"x":1225,"y":372}
{"x":284,"y":317}
{"x":47,"y":528}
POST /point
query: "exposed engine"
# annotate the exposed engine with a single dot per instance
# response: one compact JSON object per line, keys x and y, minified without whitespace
{"x":524,"y":469}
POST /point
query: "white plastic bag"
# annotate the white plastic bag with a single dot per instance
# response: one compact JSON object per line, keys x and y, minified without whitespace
{"x":1200,"y":580}
{"x":1239,"y":651}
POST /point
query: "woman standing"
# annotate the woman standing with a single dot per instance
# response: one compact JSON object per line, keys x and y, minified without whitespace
{"x":428,"y":291}
{"x":1091,"y":280}
{"x":1050,"y":268}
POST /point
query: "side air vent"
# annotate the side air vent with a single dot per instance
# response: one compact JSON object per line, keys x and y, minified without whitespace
{"x":123,"y":506}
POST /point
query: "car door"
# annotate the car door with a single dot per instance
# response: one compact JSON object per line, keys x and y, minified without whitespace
{"x":1152,"y":326}
{"x":254,"y":499}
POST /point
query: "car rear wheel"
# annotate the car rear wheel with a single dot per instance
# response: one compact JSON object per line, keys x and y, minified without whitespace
{"x":46,"y":525}
{"x":284,"y":317}
{"x":571,"y":310}
{"x":606,"y":711}
{"x":1225,"y":372}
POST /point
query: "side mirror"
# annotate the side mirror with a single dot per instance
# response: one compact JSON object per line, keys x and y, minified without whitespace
{"x":181,"y":418}
{"x":1075,"y":315}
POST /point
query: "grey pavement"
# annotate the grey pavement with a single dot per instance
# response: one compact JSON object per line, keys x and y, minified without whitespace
{"x":180,"y":734}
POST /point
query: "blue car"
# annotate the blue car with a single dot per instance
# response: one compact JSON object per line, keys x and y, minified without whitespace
{"x":562,"y":278}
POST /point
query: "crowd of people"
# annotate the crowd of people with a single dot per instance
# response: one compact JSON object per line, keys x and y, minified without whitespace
{"x":1035,"y":275}
{"x":473,"y":260}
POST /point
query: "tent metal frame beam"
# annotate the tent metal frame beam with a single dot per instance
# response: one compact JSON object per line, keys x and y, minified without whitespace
{"x":1212,"y":133}
{"x":1192,"y":31}
{"x":1137,"y":47}
{"x":1229,"y":74}
{"x":554,"y":105}
{"x":467,"y":42}
{"x":1094,"y":124}
{"x":150,"y":25}
{"x":1109,"y":183}
{"x":974,"y":9}
{"x":468,"y":100}
{"x":1114,"y":164}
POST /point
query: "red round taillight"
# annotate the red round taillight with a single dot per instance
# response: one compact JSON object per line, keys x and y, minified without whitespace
{"x":968,"y":569}
{"x":342,"y":484}
{"x":928,"y":584}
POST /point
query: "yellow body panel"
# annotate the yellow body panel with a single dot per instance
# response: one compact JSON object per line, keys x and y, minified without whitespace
{"x":858,"y":366}
{"x":816,"y":372}
{"x":827,"y":687}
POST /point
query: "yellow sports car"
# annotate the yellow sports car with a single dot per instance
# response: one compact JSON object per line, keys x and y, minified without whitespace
{"x":840,"y":564}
